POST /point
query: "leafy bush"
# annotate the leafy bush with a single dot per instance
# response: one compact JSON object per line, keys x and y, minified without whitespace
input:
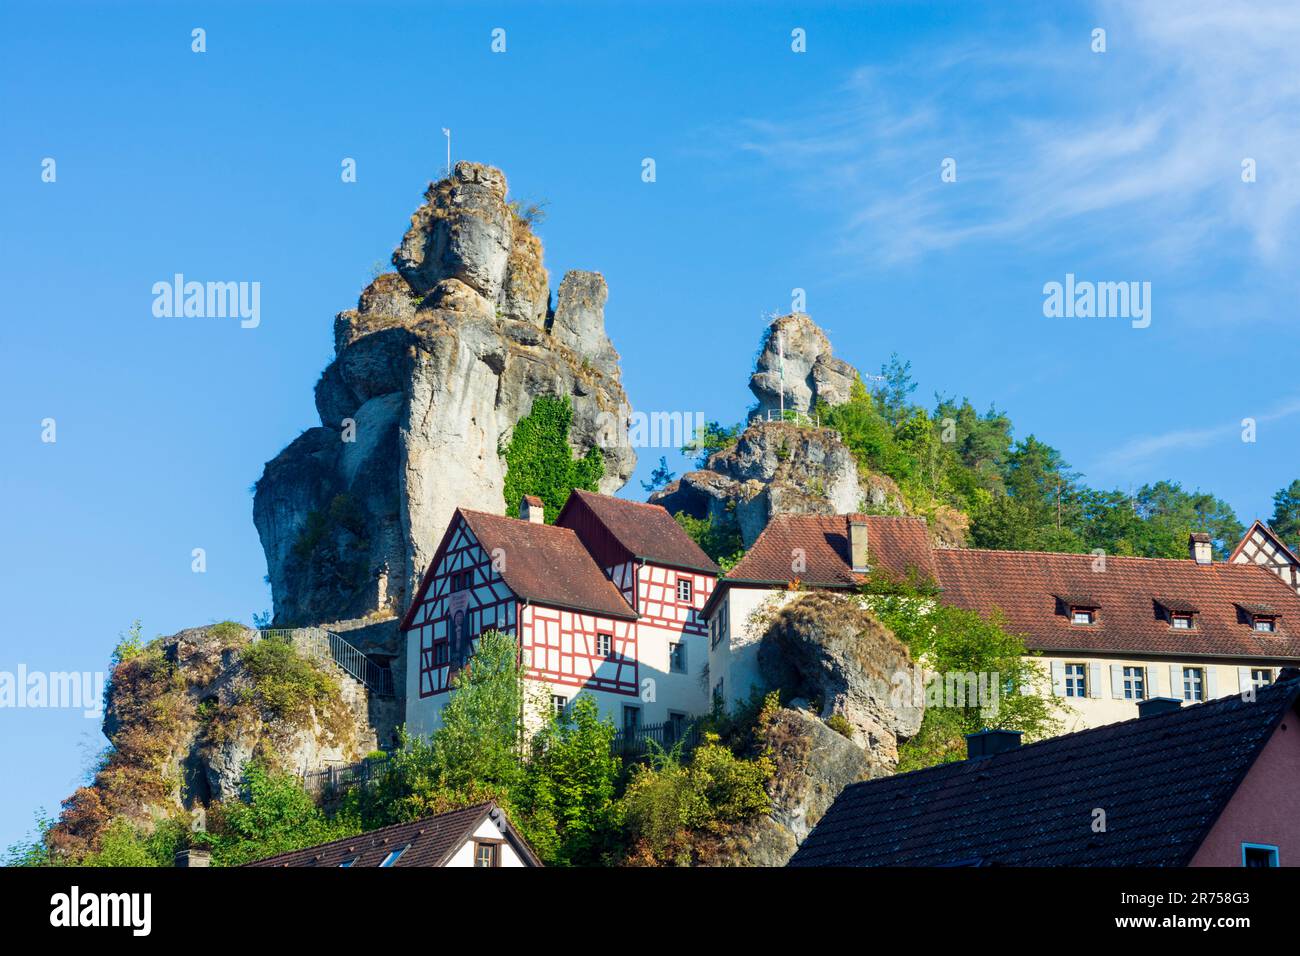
{"x":288,"y":685}
{"x":539,"y":461}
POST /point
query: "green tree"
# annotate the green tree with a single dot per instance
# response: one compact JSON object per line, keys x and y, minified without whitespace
{"x":568,"y":797}
{"x":481,"y":737}
{"x":540,"y":462}
{"x":954,"y":641}
{"x":720,"y":540}
{"x":659,"y":477}
{"x":1286,"y":513}
{"x":711,"y":438}
{"x":894,"y":393}
{"x":278,"y":816}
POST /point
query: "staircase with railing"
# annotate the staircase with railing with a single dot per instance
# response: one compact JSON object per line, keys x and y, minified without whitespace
{"x":320,"y":644}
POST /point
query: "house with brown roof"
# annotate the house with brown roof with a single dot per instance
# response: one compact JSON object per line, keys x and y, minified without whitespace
{"x":1110,"y":631}
{"x":792,"y":553}
{"x":607,"y":601}
{"x":1211,"y":784}
{"x":1261,"y":546}
{"x":480,"y":835}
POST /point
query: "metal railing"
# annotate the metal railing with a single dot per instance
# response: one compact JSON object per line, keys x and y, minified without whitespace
{"x":320,"y":644}
{"x":790,"y":415}
{"x":336,"y":780}
{"x":633,"y":743}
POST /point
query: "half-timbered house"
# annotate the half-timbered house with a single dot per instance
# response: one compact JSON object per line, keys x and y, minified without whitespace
{"x":606,"y":601}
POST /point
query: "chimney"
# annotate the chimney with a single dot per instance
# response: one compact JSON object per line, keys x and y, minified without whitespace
{"x":1153,"y":706}
{"x":858,"y":544}
{"x":195,"y":856}
{"x":532,"y":510}
{"x":1199,"y":549}
{"x":986,"y":743}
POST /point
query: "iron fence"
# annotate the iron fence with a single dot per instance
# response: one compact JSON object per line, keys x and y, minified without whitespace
{"x":632,"y":743}
{"x":320,"y":644}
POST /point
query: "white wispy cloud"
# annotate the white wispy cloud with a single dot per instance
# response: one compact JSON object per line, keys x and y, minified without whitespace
{"x":1057,"y":144}
{"x":1148,"y":448}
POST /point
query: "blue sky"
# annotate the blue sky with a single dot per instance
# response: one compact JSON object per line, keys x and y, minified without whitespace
{"x":775,"y":170}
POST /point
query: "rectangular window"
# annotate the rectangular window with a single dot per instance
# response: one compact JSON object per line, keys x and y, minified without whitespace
{"x":631,"y":718}
{"x":604,"y":644}
{"x":677,"y":658}
{"x":1259,"y":855}
{"x":441,"y":653}
{"x":1193,"y":683}
{"x":393,"y":856}
{"x":1076,"y":680}
{"x":1081,"y":615}
{"x":486,"y":854}
{"x":1135,"y":683}
{"x":1265,"y":625}
{"x":351,"y":862}
{"x":1261,"y":676}
{"x":1181,"y":622}
{"x":558,"y":703}
{"x":684,"y":590}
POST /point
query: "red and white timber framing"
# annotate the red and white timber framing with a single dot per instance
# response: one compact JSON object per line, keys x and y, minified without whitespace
{"x":562,"y":647}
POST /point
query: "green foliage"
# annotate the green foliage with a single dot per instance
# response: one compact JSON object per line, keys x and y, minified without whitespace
{"x":539,"y":461}
{"x":289,"y":685}
{"x":567,"y":800}
{"x":32,"y":850}
{"x":954,"y":641}
{"x":481,"y":735}
{"x":894,"y":393}
{"x":278,"y":816}
{"x":130,"y":644}
{"x":667,"y":801}
{"x":720,"y":540}
{"x":659,"y":477}
{"x":840,"y":724}
{"x":709,"y":439}
{"x":1286,"y":514}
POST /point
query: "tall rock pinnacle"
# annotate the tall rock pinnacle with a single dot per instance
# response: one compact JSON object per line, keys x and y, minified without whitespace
{"x":432,"y":370}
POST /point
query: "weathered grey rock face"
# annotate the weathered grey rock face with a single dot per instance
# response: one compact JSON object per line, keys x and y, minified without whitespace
{"x":830,"y":648}
{"x":775,"y":468}
{"x":813,"y":764}
{"x":431,"y":372}
{"x":812,"y":373}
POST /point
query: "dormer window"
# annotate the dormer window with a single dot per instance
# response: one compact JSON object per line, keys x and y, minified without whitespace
{"x":1264,"y":624}
{"x":1078,"y":608}
{"x":1083,"y":615}
{"x":1262,"y":618}
{"x":1180,"y":622}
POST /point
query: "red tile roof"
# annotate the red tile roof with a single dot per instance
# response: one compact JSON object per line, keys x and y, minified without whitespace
{"x":644,"y":530}
{"x":547,"y":564}
{"x":1025,"y":586}
{"x":893,"y":543}
{"x":429,"y":842}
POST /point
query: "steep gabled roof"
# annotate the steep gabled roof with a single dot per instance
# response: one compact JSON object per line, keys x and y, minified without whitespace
{"x":541,"y":563}
{"x":1025,"y":587}
{"x":429,"y":842}
{"x":1264,"y":531}
{"x":894,"y":544}
{"x":645,"y":531}
{"x":1162,"y":781}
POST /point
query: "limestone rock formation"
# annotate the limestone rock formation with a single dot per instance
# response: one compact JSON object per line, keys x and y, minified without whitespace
{"x":778,"y":468}
{"x":839,"y":664}
{"x":813,"y":764}
{"x":827,"y":647}
{"x":431,"y":372}
{"x":187,"y":713}
{"x":811,"y":372}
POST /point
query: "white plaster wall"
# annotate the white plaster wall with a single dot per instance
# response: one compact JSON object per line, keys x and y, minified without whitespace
{"x":487,"y":829}
{"x":1102,"y":706}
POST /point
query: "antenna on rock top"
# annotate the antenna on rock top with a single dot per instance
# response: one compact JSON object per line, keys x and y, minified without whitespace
{"x":447,"y":133}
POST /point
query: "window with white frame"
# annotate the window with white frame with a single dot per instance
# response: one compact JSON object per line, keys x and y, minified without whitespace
{"x":558,"y":703}
{"x":1180,"y":622}
{"x":1261,"y":676}
{"x":604,"y":644}
{"x":684,"y":590}
{"x":1135,"y":683}
{"x":1082,"y":615}
{"x":1265,"y":624}
{"x":1076,"y":680}
{"x":1193,"y":683}
{"x":677,"y":657}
